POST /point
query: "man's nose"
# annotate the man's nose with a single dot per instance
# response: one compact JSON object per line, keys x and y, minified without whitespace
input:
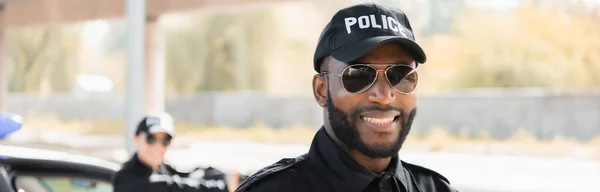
{"x":157,"y":146}
{"x":381,"y":92}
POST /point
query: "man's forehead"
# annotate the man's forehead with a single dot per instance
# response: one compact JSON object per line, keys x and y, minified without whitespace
{"x":160,"y":134}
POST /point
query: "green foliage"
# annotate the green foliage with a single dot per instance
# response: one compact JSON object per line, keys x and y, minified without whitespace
{"x":532,"y":47}
{"x":42,"y":59}
{"x":220,"y":52}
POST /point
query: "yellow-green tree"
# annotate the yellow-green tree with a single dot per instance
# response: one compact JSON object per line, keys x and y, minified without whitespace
{"x":42,"y":58}
{"x":205,"y":57}
{"x":530,"y":47}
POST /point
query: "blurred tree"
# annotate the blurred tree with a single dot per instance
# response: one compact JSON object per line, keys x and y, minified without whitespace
{"x":203,"y":57}
{"x":43,"y":59}
{"x":528,"y":48}
{"x":441,"y":15}
{"x":185,"y":51}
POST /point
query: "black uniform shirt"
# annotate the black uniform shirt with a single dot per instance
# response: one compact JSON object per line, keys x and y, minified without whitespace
{"x":135,"y":176}
{"x":327,"y":168}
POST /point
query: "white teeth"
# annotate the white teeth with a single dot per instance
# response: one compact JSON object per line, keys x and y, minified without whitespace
{"x":378,"y":120}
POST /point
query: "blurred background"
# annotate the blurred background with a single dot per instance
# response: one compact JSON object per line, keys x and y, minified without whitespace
{"x":509,"y":99}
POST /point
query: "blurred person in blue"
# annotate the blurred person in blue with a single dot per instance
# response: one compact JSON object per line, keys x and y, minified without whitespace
{"x":366,"y":62}
{"x":146,"y":170}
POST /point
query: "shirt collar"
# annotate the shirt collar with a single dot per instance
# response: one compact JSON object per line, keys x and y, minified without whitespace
{"x":346,"y":174}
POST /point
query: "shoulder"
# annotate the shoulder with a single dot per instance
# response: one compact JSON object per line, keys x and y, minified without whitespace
{"x":129,"y":167}
{"x":131,"y":171}
{"x":428,"y":178}
{"x":275,"y":176}
{"x":122,"y":174}
{"x":116,"y":177}
{"x":126,"y":180}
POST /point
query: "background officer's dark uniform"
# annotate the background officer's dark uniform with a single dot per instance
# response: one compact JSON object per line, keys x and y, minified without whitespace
{"x":134,"y":176}
{"x":327,"y":168}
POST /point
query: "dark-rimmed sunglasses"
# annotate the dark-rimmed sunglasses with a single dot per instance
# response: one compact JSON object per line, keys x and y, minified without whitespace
{"x":358,"y":78}
{"x":151,"y":139}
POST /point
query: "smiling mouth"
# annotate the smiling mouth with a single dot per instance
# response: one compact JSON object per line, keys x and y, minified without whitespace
{"x":380,"y":121}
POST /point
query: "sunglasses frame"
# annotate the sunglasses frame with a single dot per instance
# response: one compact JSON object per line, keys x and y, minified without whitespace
{"x":164,"y":142}
{"x":388,"y":67}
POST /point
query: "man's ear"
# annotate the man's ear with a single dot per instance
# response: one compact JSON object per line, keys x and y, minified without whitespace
{"x":320,"y":89}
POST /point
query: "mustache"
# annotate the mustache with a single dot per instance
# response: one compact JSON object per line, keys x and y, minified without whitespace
{"x":358,"y":111}
{"x":405,"y":117}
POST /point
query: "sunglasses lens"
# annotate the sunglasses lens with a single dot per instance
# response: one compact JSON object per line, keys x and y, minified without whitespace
{"x":403,"y":78}
{"x":166,"y":141}
{"x":358,"y":78}
{"x":150,"y":139}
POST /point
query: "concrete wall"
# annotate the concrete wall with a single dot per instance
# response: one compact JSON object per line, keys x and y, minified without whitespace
{"x":498,"y":114}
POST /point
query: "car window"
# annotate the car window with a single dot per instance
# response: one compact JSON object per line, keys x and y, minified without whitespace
{"x":60,"y":184}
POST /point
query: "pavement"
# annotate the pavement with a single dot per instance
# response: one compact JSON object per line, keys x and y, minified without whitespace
{"x":467,"y":172}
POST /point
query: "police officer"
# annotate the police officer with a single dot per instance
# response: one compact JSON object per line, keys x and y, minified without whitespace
{"x":146,"y":170}
{"x":366,"y":60}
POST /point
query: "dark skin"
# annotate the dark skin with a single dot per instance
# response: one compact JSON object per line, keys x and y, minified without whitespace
{"x":381,"y":94}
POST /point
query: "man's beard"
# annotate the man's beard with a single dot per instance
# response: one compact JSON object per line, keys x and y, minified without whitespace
{"x":348,"y":133}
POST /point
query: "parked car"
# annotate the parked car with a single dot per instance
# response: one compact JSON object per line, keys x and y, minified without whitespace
{"x":35,"y":170}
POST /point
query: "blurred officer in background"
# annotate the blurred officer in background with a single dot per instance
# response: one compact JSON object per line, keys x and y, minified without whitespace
{"x":146,"y":170}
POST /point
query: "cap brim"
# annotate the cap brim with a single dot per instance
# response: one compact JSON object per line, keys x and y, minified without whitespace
{"x":160,"y":129}
{"x":354,"y":51}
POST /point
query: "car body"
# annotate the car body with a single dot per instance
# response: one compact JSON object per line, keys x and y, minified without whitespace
{"x":35,"y":170}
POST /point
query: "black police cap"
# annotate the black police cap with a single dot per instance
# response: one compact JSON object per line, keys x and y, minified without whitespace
{"x":356,"y":30}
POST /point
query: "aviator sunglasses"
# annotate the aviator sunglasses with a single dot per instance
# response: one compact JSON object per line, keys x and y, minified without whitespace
{"x":151,"y":139}
{"x":358,"y":78}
